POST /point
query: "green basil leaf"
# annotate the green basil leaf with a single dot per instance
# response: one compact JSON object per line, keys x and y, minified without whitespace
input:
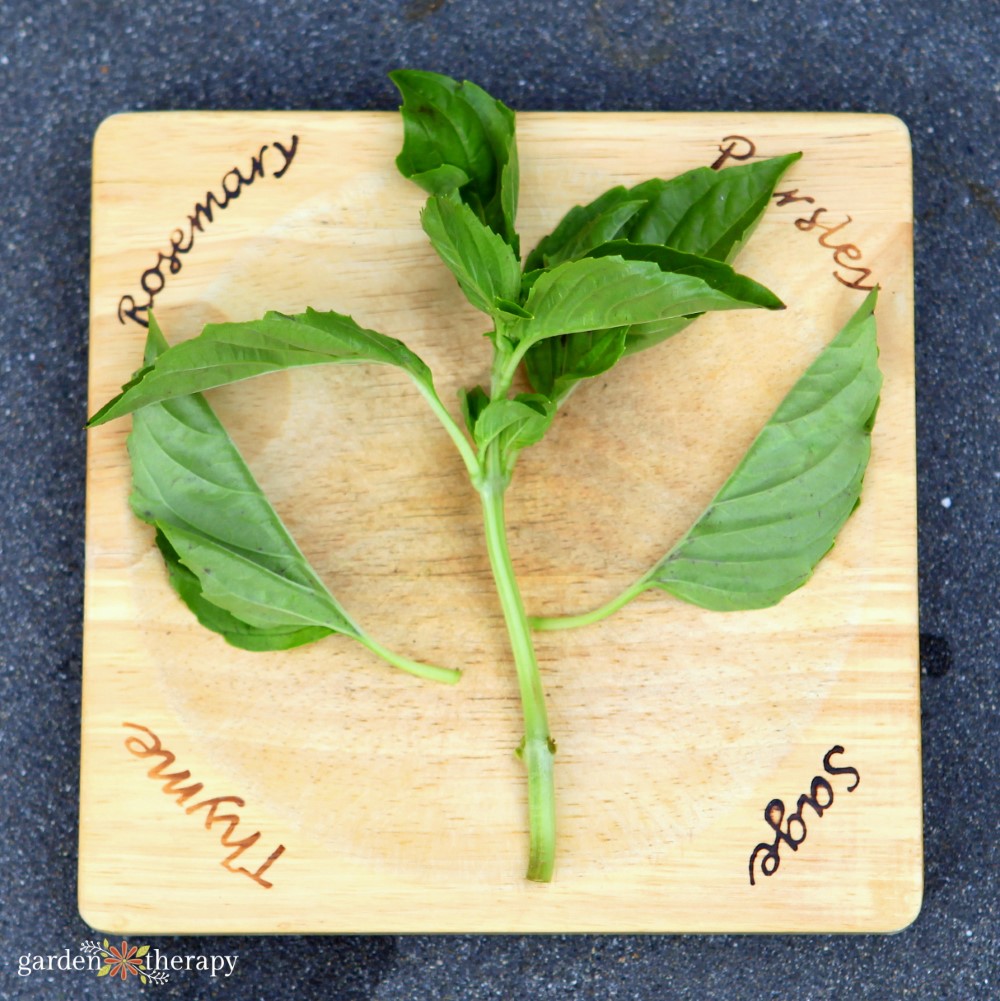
{"x":556,"y":364}
{"x":499,"y":123}
{"x":473,"y":402}
{"x":518,"y":423}
{"x":702,"y":211}
{"x":512,"y":309}
{"x":585,"y":227}
{"x":483,"y":264}
{"x":528,"y":279}
{"x":228,"y":554}
{"x":263,"y":589}
{"x":708,"y":212}
{"x":714,"y":273}
{"x":443,"y":181}
{"x":510,"y":185}
{"x":779,"y":512}
{"x":228,"y":352}
{"x":233,"y":630}
{"x":666,"y":202}
{"x":597,"y":293}
{"x":719,"y":276}
{"x":191,"y":483}
{"x":456,"y":137}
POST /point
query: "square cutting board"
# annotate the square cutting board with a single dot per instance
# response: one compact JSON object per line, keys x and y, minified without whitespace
{"x":320,"y":790}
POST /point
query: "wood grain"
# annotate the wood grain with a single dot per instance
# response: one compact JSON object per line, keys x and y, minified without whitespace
{"x":400,"y":804}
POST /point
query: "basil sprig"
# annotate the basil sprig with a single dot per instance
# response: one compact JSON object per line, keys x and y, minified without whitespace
{"x":616,"y":276}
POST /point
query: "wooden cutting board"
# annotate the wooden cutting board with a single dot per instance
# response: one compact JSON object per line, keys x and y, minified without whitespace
{"x":321,"y":791}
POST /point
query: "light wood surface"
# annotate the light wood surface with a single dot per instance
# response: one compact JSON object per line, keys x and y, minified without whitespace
{"x":399,"y":803}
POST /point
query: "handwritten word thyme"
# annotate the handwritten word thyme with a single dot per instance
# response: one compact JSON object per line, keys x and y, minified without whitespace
{"x":149,"y":746}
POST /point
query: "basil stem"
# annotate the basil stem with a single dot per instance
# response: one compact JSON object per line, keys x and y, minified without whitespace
{"x":430,"y":672}
{"x":542,"y":623}
{"x":538,"y":748}
{"x":465,"y":450}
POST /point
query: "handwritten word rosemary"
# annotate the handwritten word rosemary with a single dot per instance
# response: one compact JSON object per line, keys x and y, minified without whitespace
{"x":774,"y":815}
{"x":154,"y":279}
{"x":149,"y":746}
{"x":741,"y":148}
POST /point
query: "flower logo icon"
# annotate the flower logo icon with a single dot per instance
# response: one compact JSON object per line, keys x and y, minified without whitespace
{"x":123,"y":961}
{"x":120,"y":962}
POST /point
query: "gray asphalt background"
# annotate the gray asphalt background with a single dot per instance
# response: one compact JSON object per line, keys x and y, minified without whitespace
{"x":64,"y":66}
